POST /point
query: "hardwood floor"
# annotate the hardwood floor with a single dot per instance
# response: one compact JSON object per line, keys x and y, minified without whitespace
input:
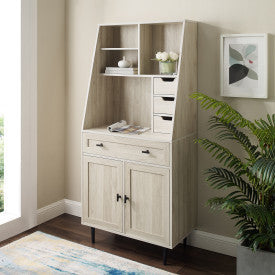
{"x":188,"y":261}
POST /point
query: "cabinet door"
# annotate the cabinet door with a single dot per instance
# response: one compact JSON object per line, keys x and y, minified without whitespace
{"x":147,"y":210}
{"x":102,"y":182}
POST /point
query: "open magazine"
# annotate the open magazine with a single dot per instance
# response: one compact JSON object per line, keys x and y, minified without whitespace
{"x":123,"y":128}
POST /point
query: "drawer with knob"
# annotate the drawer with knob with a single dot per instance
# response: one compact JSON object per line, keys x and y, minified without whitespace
{"x":153,"y":153}
{"x":164,"y":105}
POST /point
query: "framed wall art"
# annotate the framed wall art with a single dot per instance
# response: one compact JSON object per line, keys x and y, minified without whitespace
{"x":244,"y":71}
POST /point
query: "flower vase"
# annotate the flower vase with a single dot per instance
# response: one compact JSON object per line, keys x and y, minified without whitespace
{"x":167,"y":67}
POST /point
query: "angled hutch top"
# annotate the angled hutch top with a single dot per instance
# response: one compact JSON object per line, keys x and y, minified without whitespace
{"x":148,"y":99}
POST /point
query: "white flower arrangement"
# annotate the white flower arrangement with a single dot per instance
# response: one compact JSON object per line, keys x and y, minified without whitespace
{"x":167,"y":57}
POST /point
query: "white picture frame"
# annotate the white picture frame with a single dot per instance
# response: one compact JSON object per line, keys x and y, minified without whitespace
{"x":244,"y":65}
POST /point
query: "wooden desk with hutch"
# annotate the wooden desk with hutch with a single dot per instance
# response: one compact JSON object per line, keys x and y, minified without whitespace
{"x":142,"y":186}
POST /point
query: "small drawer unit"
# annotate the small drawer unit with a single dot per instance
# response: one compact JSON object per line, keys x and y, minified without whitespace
{"x":164,"y":105}
{"x":157,"y":153}
{"x":163,"y":124}
{"x":165,"y":86}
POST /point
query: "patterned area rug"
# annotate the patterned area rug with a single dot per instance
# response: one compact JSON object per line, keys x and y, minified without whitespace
{"x":40,"y":253}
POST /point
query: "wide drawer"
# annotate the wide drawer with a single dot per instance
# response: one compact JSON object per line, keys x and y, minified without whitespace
{"x":154,"y":153}
{"x":163,"y":124}
{"x":165,"y":86}
{"x":164,"y":105}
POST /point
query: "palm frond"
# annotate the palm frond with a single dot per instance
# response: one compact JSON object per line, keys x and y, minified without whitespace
{"x":265,"y":241}
{"x":223,"y":155}
{"x":216,"y":202}
{"x":223,"y":110}
{"x":265,"y":130}
{"x":228,"y":131}
{"x":250,"y":218}
{"x":263,"y":222}
{"x":261,"y":216}
{"x":229,"y":203}
{"x":220,"y":178}
{"x":265,"y":169}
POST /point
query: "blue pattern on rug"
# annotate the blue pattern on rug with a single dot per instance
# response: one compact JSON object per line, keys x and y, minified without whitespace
{"x":41,"y":253}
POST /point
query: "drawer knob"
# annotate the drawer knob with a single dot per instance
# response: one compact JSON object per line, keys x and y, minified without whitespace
{"x":145,"y":151}
{"x":99,"y":144}
{"x":126,"y":198}
{"x":118,"y":197}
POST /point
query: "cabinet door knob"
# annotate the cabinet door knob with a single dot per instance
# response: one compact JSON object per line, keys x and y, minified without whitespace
{"x":99,"y":144}
{"x":145,"y":151}
{"x":126,"y":198}
{"x":118,"y":197}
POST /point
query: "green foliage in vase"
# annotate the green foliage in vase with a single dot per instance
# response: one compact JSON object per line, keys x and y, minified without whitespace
{"x":250,"y":181}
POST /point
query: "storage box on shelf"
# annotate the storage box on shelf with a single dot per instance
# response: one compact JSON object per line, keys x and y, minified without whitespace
{"x":152,"y":174}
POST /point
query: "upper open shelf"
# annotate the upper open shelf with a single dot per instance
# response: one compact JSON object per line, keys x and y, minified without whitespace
{"x":124,"y":36}
{"x":158,"y":38}
{"x":139,"y":43}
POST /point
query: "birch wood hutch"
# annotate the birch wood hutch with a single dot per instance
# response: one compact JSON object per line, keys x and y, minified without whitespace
{"x":142,"y":186}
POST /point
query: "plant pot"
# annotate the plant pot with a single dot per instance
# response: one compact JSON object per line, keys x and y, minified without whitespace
{"x":255,"y":263}
{"x":167,"y":67}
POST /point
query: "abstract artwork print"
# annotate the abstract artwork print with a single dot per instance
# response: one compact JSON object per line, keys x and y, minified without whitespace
{"x":243,"y":61}
{"x":244,"y":66}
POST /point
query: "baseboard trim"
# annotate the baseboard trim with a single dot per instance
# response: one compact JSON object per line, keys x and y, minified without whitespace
{"x":72,"y":207}
{"x":50,"y":211}
{"x":213,"y":242}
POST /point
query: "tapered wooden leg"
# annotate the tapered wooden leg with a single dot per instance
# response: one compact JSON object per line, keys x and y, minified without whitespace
{"x":93,"y":234}
{"x":164,"y":255}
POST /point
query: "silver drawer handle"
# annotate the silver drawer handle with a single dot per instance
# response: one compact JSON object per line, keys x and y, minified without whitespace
{"x":145,"y":152}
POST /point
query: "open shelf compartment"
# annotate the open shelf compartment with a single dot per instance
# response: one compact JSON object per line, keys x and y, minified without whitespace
{"x":123,"y":36}
{"x":158,"y":38}
{"x":117,"y":98}
{"x":110,"y":58}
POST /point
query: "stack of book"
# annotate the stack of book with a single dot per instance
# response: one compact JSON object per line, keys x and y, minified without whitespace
{"x":117,"y":70}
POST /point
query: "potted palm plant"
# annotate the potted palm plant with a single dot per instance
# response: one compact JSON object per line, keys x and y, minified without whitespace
{"x":250,"y":182}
